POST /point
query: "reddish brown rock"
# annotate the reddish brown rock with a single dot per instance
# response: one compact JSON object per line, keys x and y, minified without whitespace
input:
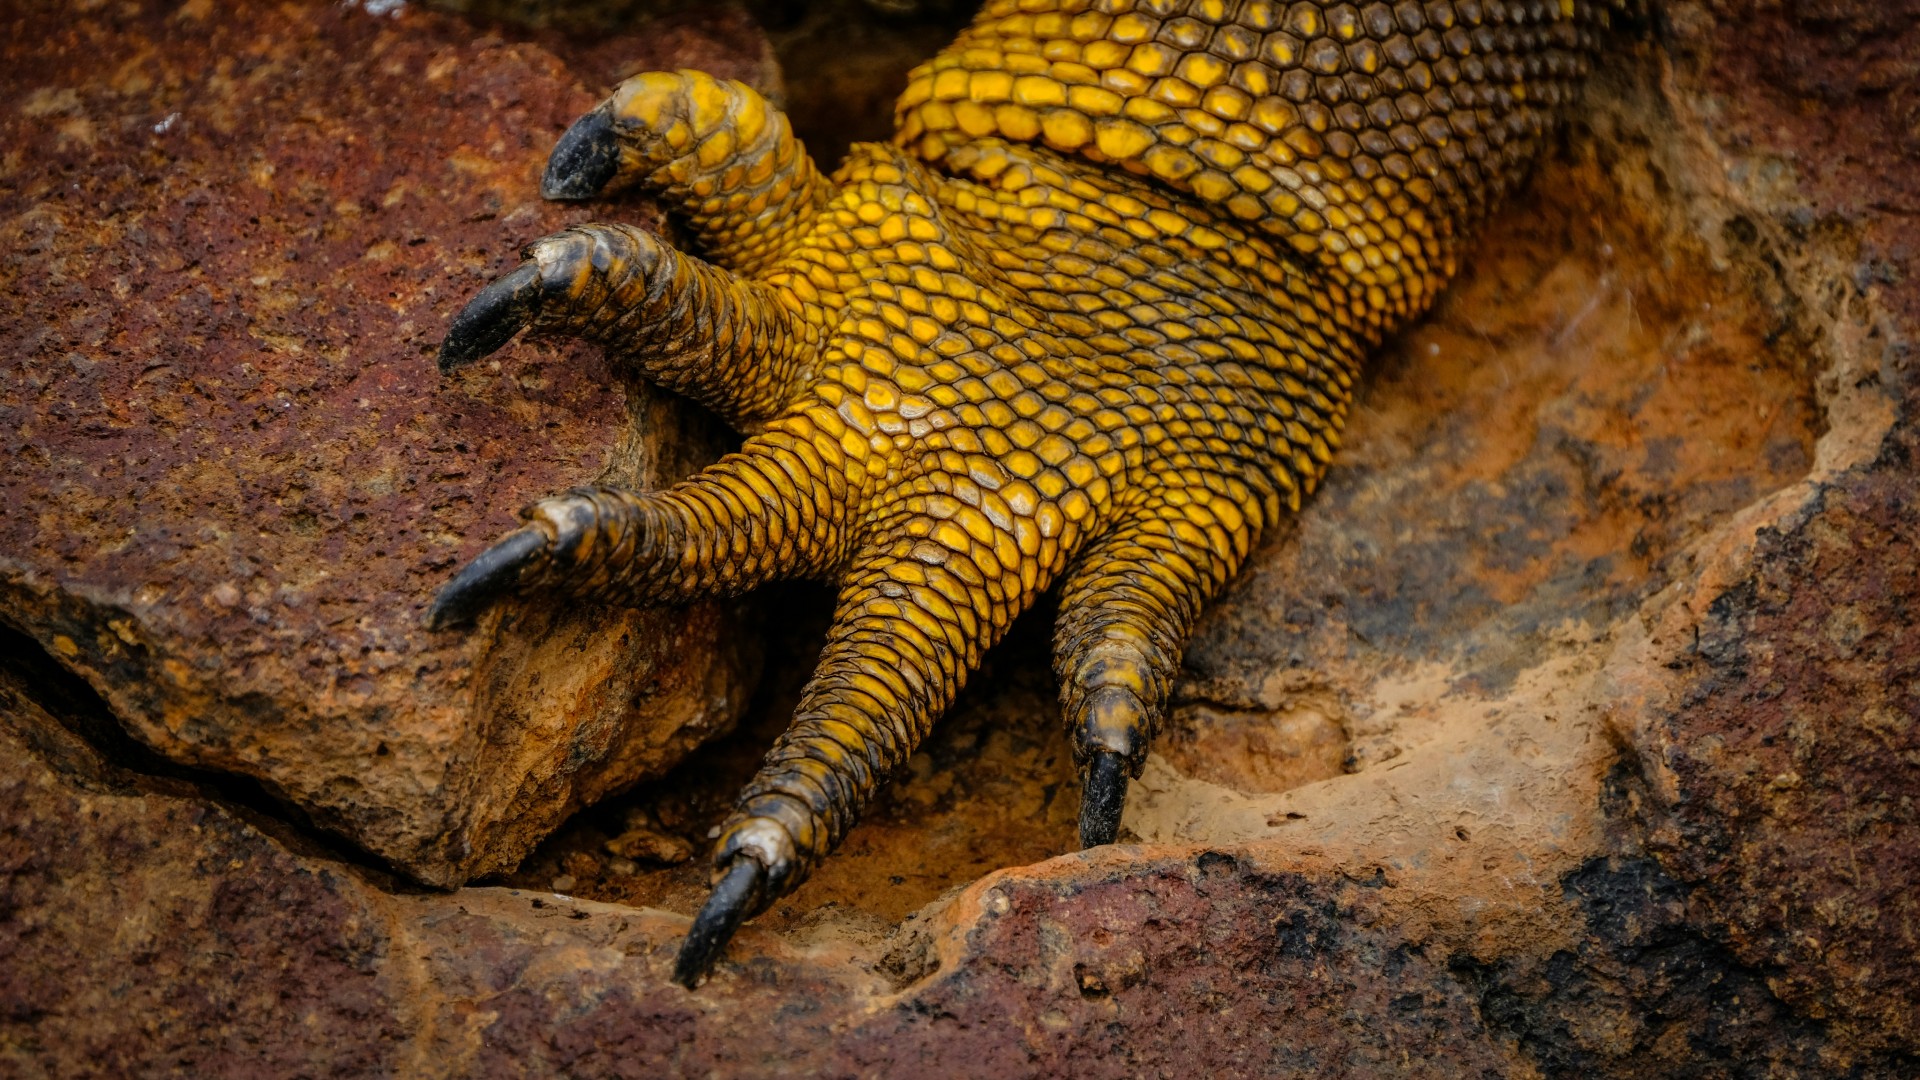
{"x":233,"y":479}
{"x":1775,"y":709}
{"x":186,"y":931}
{"x":207,"y":929}
{"x":1785,"y":763}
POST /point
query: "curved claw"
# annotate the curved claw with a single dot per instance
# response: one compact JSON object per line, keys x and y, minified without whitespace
{"x":488,"y":577}
{"x":492,"y":318}
{"x":736,"y":896}
{"x":1103,"y":795}
{"x":585,"y":159}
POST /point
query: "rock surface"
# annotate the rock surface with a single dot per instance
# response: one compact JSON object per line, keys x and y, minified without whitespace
{"x":1573,"y":730}
{"x":233,"y":479}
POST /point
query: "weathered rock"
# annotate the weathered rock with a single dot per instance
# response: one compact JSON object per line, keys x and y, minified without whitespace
{"x":361,"y":981}
{"x":232,"y":478}
{"x":1782,"y":745}
{"x":1784,"y":760}
{"x":186,"y":932}
{"x":1572,"y":730}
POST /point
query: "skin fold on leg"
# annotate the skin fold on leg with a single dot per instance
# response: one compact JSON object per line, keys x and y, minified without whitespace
{"x":1095,"y":317}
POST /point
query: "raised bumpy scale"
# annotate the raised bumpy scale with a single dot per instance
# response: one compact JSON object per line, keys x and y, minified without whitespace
{"x":1091,"y":321}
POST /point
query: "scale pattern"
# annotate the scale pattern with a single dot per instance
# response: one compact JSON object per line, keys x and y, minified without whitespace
{"x":1362,"y":136}
{"x":1093,"y":320}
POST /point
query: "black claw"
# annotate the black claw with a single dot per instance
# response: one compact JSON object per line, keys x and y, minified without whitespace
{"x":584,"y":159}
{"x":492,"y":318}
{"x":736,"y":897}
{"x":485,"y":579}
{"x":1103,"y":794}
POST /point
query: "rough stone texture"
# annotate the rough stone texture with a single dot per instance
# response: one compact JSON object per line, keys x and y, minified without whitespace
{"x":232,"y":478}
{"x":1783,"y":749}
{"x":1570,"y":732}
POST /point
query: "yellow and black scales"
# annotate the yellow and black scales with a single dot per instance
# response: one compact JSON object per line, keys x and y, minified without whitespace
{"x":1091,"y":322}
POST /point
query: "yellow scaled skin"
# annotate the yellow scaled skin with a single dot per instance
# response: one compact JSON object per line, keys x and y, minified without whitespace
{"x":1091,"y":322}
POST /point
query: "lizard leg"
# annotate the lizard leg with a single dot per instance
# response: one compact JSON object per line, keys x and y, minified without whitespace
{"x":722,"y":154}
{"x":772,"y":510}
{"x":1126,"y":611}
{"x":736,"y":345}
{"x":911,"y":623}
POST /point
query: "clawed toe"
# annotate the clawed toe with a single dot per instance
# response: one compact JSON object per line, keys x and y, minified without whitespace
{"x":580,"y":281}
{"x":584,"y":526}
{"x":719,"y":533}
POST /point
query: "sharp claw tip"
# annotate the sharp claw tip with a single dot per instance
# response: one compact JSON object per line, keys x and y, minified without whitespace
{"x":491,"y":318}
{"x":442,"y":616}
{"x":1103,"y":797}
{"x":565,"y":189}
{"x":454,"y":355}
{"x":584,"y":161}
{"x":734,"y":898}
{"x":449,"y":612}
{"x":484,"y":579}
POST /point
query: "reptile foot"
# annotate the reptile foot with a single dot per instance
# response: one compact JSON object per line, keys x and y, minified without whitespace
{"x":1092,"y":319}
